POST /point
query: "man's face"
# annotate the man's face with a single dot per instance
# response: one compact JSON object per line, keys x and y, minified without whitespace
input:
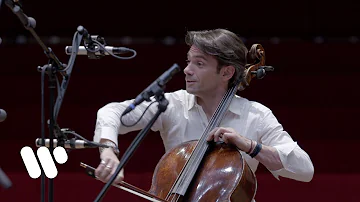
{"x":202,"y":77}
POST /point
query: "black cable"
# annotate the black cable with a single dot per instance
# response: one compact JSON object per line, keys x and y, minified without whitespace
{"x":138,"y":119}
{"x":87,"y":141}
{"x":102,"y":47}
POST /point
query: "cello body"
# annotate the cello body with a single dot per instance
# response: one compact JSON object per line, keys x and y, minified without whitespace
{"x":223,"y":175}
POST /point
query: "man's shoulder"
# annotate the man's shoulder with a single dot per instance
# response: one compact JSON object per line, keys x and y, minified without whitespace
{"x":251,"y":105}
{"x":178,"y":95}
{"x":179,"y":98}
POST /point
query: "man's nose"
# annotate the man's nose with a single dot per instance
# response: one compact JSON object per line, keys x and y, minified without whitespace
{"x":188,"y":70}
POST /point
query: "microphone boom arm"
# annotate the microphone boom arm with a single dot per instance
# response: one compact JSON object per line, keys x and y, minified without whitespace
{"x":54,"y":66}
{"x":29,"y":24}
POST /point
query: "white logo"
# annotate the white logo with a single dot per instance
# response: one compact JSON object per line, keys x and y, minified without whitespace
{"x":46,"y":161}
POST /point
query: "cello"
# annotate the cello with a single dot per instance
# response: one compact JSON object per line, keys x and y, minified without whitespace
{"x":201,"y":171}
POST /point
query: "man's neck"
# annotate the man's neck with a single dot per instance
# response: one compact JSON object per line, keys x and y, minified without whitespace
{"x":210,"y":103}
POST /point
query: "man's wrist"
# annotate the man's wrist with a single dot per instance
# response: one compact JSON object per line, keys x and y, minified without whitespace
{"x":111,"y":145}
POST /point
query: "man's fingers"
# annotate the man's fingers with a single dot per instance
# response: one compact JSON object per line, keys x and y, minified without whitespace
{"x":218,"y":135}
{"x":211,"y":134}
{"x":120,"y":176}
{"x":214,"y":134}
{"x":100,"y":168}
{"x":213,"y":130}
{"x":111,"y":167}
{"x":225,"y":137}
{"x":105,"y":170}
{"x":104,"y":174}
{"x":210,"y":137}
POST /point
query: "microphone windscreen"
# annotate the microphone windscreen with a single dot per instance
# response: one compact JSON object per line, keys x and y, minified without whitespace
{"x":3,"y":115}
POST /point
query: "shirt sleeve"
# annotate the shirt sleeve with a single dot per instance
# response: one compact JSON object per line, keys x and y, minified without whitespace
{"x":296,"y":162}
{"x":108,"y":124}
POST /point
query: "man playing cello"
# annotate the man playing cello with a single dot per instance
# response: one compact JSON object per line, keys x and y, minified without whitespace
{"x":215,"y":61}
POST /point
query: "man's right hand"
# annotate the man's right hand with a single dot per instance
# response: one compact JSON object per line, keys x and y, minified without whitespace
{"x":107,"y":167}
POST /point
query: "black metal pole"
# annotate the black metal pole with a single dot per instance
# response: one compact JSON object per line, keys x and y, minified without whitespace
{"x":42,"y":192}
{"x":52,"y":86}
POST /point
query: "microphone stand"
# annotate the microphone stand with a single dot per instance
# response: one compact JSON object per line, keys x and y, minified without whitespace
{"x":53,"y":67}
{"x":163,"y":102}
{"x":155,"y":89}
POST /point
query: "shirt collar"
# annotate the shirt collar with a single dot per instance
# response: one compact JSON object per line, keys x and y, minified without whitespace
{"x":191,"y":101}
{"x":235,"y":105}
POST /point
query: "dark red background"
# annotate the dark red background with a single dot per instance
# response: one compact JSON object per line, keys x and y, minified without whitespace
{"x":313,"y":90}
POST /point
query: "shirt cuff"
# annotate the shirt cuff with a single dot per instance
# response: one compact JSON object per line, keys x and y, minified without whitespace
{"x":108,"y":133}
{"x":283,"y":150}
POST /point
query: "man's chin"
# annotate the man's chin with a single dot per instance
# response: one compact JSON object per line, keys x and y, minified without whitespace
{"x":191,"y":91}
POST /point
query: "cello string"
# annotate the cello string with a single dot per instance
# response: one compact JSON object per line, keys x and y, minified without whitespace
{"x":200,"y":149}
{"x":215,"y":121}
{"x":198,"y":155}
{"x":177,"y":198}
{"x":185,"y":170}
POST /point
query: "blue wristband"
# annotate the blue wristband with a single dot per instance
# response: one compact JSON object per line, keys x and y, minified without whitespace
{"x":257,"y":149}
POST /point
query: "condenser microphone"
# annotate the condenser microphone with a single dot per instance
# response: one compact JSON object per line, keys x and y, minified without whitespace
{"x":114,"y":50}
{"x":153,"y":88}
{"x":68,"y":144}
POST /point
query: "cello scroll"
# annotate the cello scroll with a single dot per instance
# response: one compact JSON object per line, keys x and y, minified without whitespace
{"x":255,"y":69}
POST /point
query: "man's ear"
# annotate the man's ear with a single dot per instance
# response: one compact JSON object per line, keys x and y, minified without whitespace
{"x":227,"y":72}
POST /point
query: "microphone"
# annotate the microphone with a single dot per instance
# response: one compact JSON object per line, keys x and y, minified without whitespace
{"x":261,"y":71}
{"x":69,"y":144}
{"x":3,"y":115}
{"x":85,"y":33}
{"x":114,"y":50}
{"x":154,"y":88}
{"x":4,"y":180}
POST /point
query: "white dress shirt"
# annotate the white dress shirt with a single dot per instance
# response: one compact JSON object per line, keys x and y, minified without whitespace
{"x":185,"y":120}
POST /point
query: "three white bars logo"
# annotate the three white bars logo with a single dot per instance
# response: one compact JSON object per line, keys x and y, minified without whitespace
{"x":45,"y":159}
